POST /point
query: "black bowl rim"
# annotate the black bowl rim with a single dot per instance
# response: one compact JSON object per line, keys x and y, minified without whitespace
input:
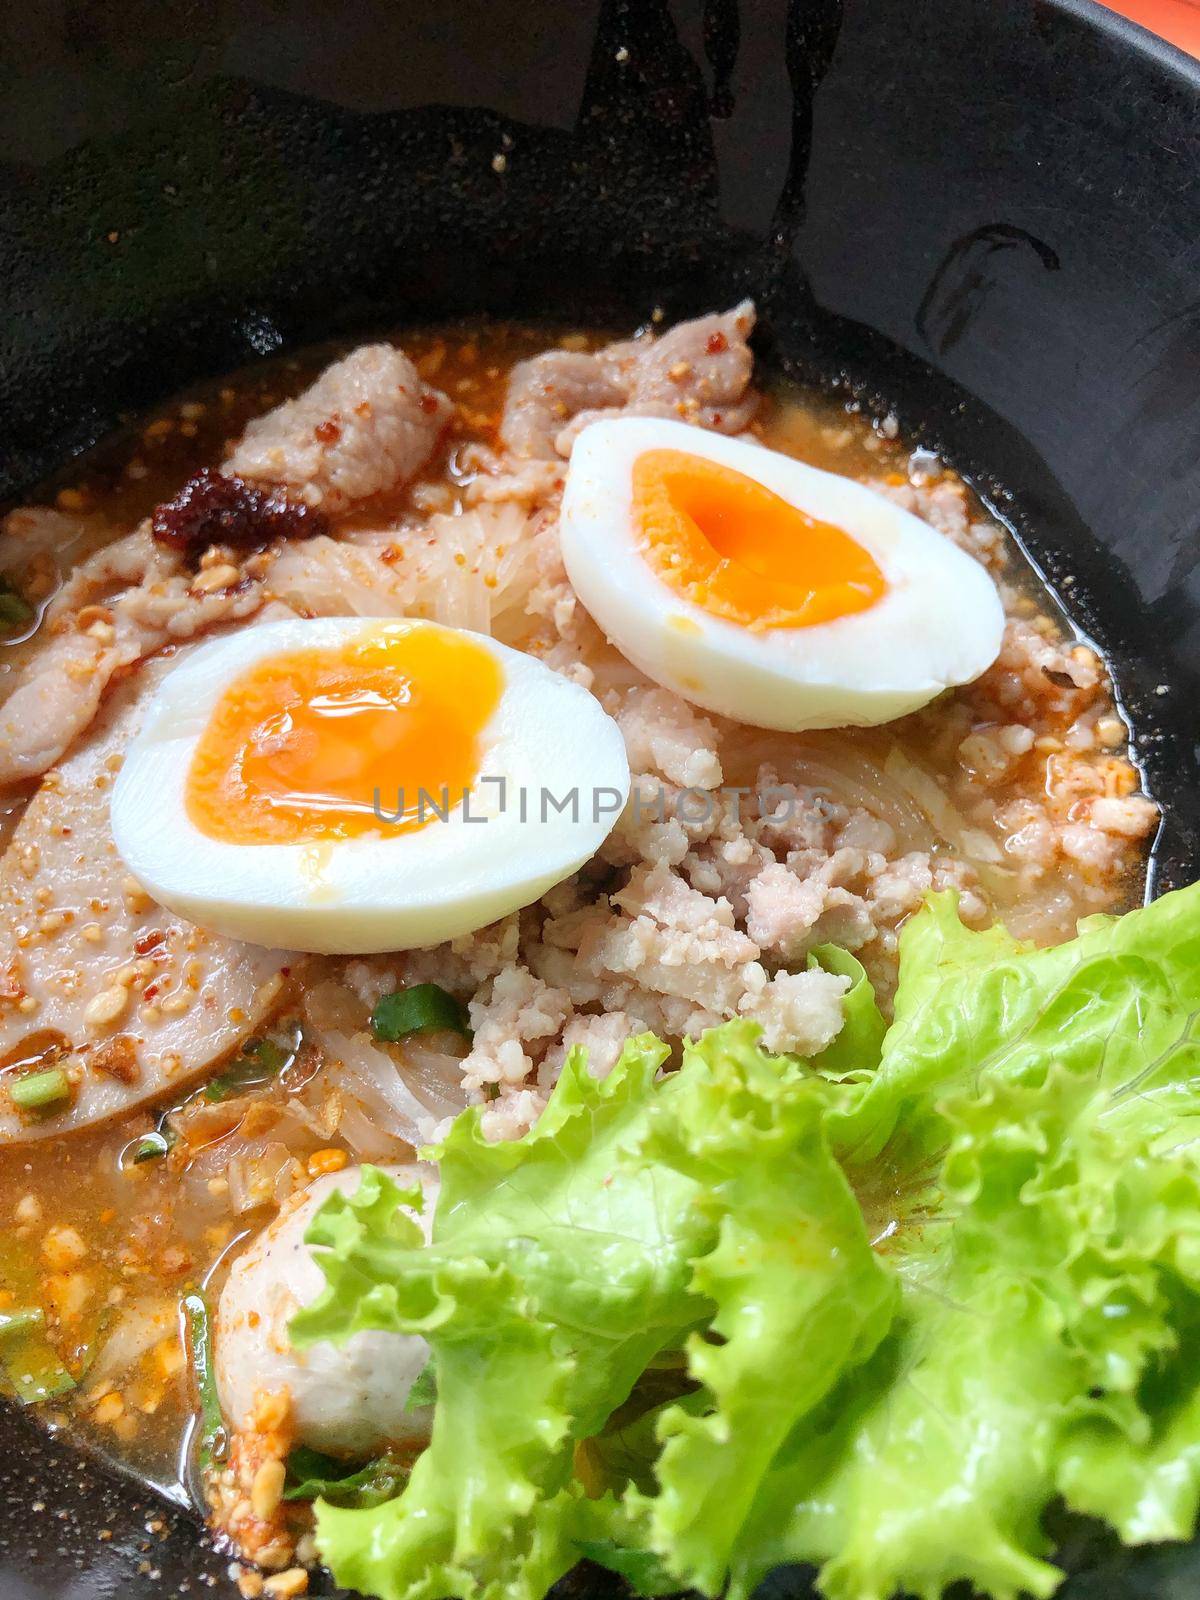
{"x":115,"y":1493}
{"x":1132,"y":35}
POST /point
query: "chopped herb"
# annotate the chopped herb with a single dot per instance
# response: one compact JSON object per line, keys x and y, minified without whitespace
{"x":39,"y":1089}
{"x":642,"y":1570}
{"x":31,"y":1369}
{"x":425,"y":1008}
{"x":154,"y":1146}
{"x":210,"y":1440}
{"x":12,"y":1322}
{"x":15,"y":611}
{"x":313,"y":1476}
{"x":86,"y":1355}
{"x":424,"y":1389}
{"x":260,"y":1061}
{"x":50,"y":1382}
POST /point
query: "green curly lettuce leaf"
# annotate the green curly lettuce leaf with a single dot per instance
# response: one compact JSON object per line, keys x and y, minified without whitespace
{"x":557,"y":1270}
{"x":1117,"y":1001}
{"x":800,"y":1296}
{"x":1025,"y":1155}
{"x":487,"y":1503}
{"x":561,"y":1266}
{"x":856,"y":1050}
{"x":874,"y":1313}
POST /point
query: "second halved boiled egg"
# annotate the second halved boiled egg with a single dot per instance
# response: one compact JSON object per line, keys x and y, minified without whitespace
{"x":346,"y":785}
{"x":764,"y":589}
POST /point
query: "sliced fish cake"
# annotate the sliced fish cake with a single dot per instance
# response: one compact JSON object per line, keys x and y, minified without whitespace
{"x":134,"y":1004}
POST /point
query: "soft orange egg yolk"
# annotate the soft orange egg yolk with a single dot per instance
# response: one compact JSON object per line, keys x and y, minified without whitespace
{"x":321,"y":744}
{"x":738,"y":550}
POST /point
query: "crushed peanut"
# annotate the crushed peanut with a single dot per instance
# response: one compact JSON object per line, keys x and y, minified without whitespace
{"x":107,"y":1006}
{"x":223,"y":576}
{"x":109,"y":1409}
{"x":62,"y":1248}
{"x":267,"y":1490}
{"x":283,"y":1585}
{"x":323,"y":1161}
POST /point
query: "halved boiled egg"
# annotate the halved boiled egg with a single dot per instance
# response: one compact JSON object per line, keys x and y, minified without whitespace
{"x":764,"y":589}
{"x":348,"y":785}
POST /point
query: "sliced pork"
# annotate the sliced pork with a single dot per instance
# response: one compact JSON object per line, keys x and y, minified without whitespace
{"x":119,"y":606}
{"x":366,"y":426}
{"x":697,"y":372}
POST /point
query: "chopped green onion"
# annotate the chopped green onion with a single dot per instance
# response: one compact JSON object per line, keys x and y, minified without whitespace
{"x":39,"y":1089}
{"x":15,"y":611}
{"x":12,"y":1322}
{"x":260,"y":1061}
{"x":154,"y":1146}
{"x":210,"y":1442}
{"x":31,"y":1370}
{"x":425,"y":1008}
{"x":50,"y":1382}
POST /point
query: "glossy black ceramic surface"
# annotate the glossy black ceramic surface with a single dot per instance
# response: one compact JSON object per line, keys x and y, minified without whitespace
{"x":984,"y":214}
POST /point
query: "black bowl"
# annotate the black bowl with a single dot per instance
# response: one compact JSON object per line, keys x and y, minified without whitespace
{"x":983,"y":215}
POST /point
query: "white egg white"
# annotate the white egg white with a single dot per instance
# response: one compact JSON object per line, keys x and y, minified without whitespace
{"x":939,"y":623}
{"x":388,"y":890}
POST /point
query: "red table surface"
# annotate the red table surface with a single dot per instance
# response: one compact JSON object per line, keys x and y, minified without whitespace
{"x":1177,"y":20}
